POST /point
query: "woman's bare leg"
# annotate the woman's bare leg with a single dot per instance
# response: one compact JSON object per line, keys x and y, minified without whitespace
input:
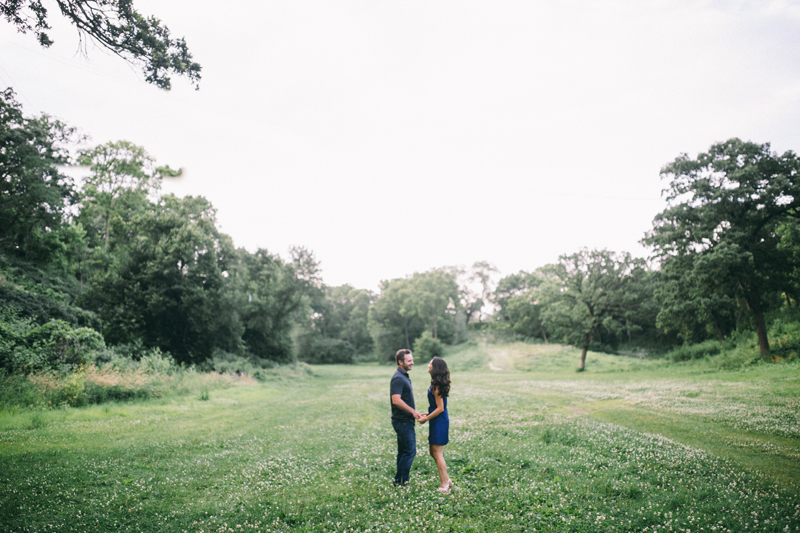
{"x":437,"y":452}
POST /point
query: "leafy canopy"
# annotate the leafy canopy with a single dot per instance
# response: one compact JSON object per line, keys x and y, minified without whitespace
{"x":726,"y":209}
{"x":117,"y":26}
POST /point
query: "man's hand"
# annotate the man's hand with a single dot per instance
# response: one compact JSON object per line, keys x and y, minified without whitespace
{"x":417,"y":415}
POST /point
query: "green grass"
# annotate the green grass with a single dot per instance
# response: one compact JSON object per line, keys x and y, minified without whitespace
{"x":628,"y":445}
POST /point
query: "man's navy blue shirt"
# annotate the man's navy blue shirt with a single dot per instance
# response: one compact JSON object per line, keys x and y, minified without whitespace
{"x":401,"y":384}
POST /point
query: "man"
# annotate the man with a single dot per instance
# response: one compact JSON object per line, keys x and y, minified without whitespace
{"x":404,"y":416}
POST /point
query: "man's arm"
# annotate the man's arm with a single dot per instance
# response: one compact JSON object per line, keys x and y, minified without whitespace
{"x":398,"y":401}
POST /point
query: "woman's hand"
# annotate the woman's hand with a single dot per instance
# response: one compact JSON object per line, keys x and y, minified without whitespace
{"x":422,"y":419}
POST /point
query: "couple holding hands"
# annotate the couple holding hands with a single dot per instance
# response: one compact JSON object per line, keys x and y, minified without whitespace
{"x":405,"y":416}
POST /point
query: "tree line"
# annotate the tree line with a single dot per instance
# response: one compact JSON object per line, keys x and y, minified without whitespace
{"x":111,"y":262}
{"x":725,"y":256}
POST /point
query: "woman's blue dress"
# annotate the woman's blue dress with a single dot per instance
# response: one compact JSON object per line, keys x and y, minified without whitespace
{"x":440,"y":425}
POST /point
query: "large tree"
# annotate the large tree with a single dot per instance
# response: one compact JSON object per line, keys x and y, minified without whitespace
{"x":343,"y":315}
{"x":696,"y":296}
{"x":34,"y":194}
{"x":432,"y":294}
{"x":118,"y":27}
{"x":393,"y":319}
{"x":726,"y":209}
{"x":122,"y":178}
{"x":589,"y":291}
{"x":165,"y":285}
{"x":475,"y":288}
{"x":267,"y":294}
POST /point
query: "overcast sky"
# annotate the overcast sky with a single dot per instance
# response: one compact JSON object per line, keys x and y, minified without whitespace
{"x":394,"y":137}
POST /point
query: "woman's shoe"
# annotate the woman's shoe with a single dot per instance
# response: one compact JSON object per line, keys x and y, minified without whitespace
{"x":451,"y":484}
{"x":444,"y":490}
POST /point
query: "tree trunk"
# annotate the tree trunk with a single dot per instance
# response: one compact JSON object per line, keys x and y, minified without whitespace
{"x":544,"y":334}
{"x":586,"y":339}
{"x":761,"y":326}
{"x":716,"y":326}
{"x":468,"y":314}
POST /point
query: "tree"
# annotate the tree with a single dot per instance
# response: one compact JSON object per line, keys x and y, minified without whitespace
{"x":431,"y":295}
{"x":589,"y":293}
{"x":393,"y":319}
{"x":475,"y":288}
{"x":122,"y":178}
{"x":343,"y":315}
{"x":726,"y":207}
{"x":481,"y":273}
{"x":34,"y":195}
{"x":524,"y":311}
{"x":695,"y":295}
{"x":789,"y":233}
{"x":518,"y":300}
{"x":408,"y":306}
{"x":642,"y":309}
{"x":267,"y":295}
{"x":165,"y":285}
{"x":337,"y":329}
{"x":116,"y":26}
{"x":509,"y":287}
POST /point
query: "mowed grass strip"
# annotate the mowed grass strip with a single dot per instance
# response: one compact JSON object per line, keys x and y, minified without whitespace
{"x":751,"y":415}
{"x":317,"y":454}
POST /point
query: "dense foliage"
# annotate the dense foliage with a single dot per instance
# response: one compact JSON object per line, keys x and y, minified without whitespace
{"x":726,"y":260}
{"x":113,"y":268}
{"x":114,"y":263}
{"x":116,"y":26}
{"x":722,"y":236}
{"x":407,"y":307}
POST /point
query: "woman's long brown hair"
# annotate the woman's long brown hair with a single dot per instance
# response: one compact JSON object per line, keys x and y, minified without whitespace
{"x":440,"y":377}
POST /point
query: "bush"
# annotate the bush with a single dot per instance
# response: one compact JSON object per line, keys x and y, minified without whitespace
{"x":784,"y":339}
{"x":319,"y":351}
{"x":426,"y":348}
{"x":688,"y":352}
{"x":46,"y":306}
{"x":157,"y":363}
{"x":223,"y":362}
{"x":56,"y":345}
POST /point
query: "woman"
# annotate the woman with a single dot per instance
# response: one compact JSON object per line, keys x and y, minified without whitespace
{"x":437,"y":415}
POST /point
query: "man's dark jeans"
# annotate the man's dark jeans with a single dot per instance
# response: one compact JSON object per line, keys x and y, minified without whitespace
{"x":406,"y":449}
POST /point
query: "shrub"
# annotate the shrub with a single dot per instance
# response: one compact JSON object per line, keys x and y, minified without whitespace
{"x":426,"y":348}
{"x":319,"y":351}
{"x":223,"y":362}
{"x":156,"y":363}
{"x":56,"y":345}
{"x":18,"y":390}
{"x":688,"y":352}
{"x":73,"y":390}
{"x":784,"y":339}
{"x":63,"y":347}
{"x":46,"y":306}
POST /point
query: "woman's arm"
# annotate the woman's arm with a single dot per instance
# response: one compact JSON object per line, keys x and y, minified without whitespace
{"x":436,"y":412}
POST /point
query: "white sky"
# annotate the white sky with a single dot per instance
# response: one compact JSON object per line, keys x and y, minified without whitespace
{"x":393,"y":137}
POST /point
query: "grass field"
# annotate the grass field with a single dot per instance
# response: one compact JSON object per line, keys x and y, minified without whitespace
{"x":628,"y":445}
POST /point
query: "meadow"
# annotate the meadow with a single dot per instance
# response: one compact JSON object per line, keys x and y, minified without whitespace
{"x":628,"y":445}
